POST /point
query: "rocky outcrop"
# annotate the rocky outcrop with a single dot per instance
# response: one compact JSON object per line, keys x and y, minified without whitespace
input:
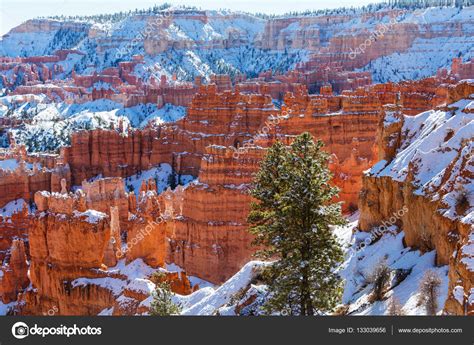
{"x":14,"y":273}
{"x":106,"y":194}
{"x":423,"y":184}
{"x":26,"y":175}
{"x":66,"y":241}
{"x":221,"y":140}
{"x":84,"y":261}
{"x":146,"y":235}
{"x":461,"y":278}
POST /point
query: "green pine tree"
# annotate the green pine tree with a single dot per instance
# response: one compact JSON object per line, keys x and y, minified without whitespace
{"x":162,"y":304}
{"x":291,"y":221}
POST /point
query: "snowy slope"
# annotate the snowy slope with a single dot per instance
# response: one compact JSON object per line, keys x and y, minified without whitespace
{"x":210,"y":304}
{"x":427,"y":55}
{"x":229,"y":42}
{"x":134,"y":276}
{"x":422,"y":59}
{"x":439,"y":144}
{"x":49,"y":125}
{"x":360,"y":264}
{"x":161,"y":174}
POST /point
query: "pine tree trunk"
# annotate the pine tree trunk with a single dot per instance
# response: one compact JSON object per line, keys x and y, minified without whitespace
{"x":306,"y":303}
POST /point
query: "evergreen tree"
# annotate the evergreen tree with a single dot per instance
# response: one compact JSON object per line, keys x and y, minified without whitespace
{"x":291,"y":220}
{"x":162,"y":304}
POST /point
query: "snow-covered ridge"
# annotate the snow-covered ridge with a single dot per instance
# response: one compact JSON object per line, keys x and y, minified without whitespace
{"x":49,"y":126}
{"x":191,"y":43}
{"x":438,"y":147}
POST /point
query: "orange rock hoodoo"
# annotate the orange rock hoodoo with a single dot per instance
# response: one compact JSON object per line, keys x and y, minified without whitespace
{"x":13,"y":273}
{"x":71,"y":246}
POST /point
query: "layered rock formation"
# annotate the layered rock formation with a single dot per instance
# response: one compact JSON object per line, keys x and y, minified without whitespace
{"x":348,"y":135}
{"x":112,"y":154}
{"x":424,"y":183}
{"x":146,"y":236}
{"x":24,"y":175}
{"x":14,"y":273}
{"x":79,"y":259}
{"x":67,"y":241}
{"x":210,"y":238}
{"x":235,"y":122}
{"x":83,"y":246}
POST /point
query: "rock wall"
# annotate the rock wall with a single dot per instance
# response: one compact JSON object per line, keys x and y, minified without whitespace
{"x":209,"y":237}
{"x":348,"y":135}
{"x":113,"y":154}
{"x":428,"y":196}
{"x":14,"y":272}
{"x":66,"y":241}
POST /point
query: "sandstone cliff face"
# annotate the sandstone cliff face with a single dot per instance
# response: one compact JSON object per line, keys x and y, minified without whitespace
{"x":209,"y":236}
{"x":83,"y":246}
{"x":111,"y":154}
{"x":146,"y":235}
{"x":208,"y":233}
{"x":14,"y":273}
{"x":213,"y":119}
{"x":219,"y":125}
{"x":106,"y":194}
{"x":293,"y":33}
{"x":424,"y":183}
{"x":461,"y":278}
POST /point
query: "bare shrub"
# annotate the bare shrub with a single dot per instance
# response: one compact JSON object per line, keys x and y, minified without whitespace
{"x":394,"y":307}
{"x":341,"y":310}
{"x":426,"y":240}
{"x":429,"y":292}
{"x":379,"y":279}
{"x":462,"y":202}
